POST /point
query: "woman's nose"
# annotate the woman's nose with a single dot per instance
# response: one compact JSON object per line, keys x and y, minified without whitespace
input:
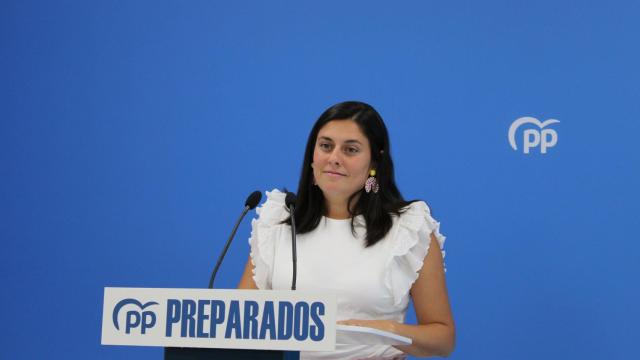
{"x":334,"y":158}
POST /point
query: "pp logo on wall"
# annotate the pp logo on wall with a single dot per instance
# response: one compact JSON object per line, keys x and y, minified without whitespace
{"x":538,"y":136}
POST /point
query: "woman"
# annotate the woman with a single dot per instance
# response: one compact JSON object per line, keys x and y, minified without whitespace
{"x":358,"y":238}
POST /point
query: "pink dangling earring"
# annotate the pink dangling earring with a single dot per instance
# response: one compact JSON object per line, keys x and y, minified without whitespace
{"x":372,"y":183}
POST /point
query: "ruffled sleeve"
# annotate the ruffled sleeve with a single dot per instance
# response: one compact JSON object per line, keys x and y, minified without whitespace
{"x":265,"y":230}
{"x":411,"y":245}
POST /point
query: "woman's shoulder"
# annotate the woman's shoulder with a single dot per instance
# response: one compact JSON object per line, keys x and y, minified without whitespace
{"x":273,"y":211}
{"x":411,"y":242}
{"x":417,"y":217}
{"x":266,"y":229}
{"x":416,"y":207}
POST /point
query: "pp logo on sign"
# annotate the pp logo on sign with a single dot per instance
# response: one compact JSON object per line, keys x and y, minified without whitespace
{"x":135,"y":318}
{"x":531,"y":138}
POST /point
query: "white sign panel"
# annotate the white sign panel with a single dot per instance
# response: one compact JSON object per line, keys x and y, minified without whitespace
{"x":205,"y":318}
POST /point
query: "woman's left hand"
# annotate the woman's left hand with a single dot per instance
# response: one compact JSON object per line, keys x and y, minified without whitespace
{"x":384,"y":325}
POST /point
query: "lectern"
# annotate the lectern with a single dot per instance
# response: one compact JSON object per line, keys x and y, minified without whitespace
{"x":195,"y":324}
{"x":199,"y":324}
{"x":223,"y":354}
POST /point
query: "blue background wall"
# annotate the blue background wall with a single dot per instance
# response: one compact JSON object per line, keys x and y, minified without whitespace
{"x":132,"y":131}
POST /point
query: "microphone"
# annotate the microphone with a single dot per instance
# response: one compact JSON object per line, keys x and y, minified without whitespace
{"x":253,"y":200}
{"x":250,"y":204}
{"x":290,"y":202}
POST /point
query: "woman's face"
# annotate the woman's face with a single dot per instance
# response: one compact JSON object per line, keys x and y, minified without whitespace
{"x":341,"y":159}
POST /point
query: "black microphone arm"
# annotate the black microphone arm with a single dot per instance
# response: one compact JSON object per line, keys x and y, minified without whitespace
{"x":251,"y":203}
{"x":290,"y":202}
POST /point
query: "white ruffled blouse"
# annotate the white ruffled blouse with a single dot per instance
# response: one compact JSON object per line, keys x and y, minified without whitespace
{"x":371,"y":283}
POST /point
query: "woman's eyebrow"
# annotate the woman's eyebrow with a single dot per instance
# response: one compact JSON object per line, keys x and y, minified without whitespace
{"x":351,"y":141}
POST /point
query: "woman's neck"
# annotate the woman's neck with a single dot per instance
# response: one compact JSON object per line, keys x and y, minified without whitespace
{"x":337,"y":207}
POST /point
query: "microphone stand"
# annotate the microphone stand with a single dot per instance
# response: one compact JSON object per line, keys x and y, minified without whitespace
{"x":226,"y":246}
{"x":294,"y":251}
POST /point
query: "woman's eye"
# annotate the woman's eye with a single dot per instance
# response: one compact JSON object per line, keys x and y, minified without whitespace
{"x":352,"y":150}
{"x":325,"y":146}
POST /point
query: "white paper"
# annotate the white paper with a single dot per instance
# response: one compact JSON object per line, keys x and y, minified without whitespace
{"x":359,"y":335}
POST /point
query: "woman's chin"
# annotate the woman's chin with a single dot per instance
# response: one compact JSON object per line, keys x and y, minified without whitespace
{"x":334,"y":191}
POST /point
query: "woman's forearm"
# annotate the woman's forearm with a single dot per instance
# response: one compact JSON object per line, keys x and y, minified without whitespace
{"x":435,"y":339}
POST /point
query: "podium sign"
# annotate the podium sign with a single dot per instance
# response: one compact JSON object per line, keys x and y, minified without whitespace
{"x":206,"y":318}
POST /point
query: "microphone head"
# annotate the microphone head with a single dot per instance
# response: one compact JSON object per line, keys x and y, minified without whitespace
{"x":253,"y":200}
{"x":290,"y":199}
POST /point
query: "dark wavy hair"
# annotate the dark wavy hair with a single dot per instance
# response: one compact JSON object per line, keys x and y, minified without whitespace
{"x":376,"y":208}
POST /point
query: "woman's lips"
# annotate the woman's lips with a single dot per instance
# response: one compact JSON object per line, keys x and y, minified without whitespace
{"x":334,"y":174}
